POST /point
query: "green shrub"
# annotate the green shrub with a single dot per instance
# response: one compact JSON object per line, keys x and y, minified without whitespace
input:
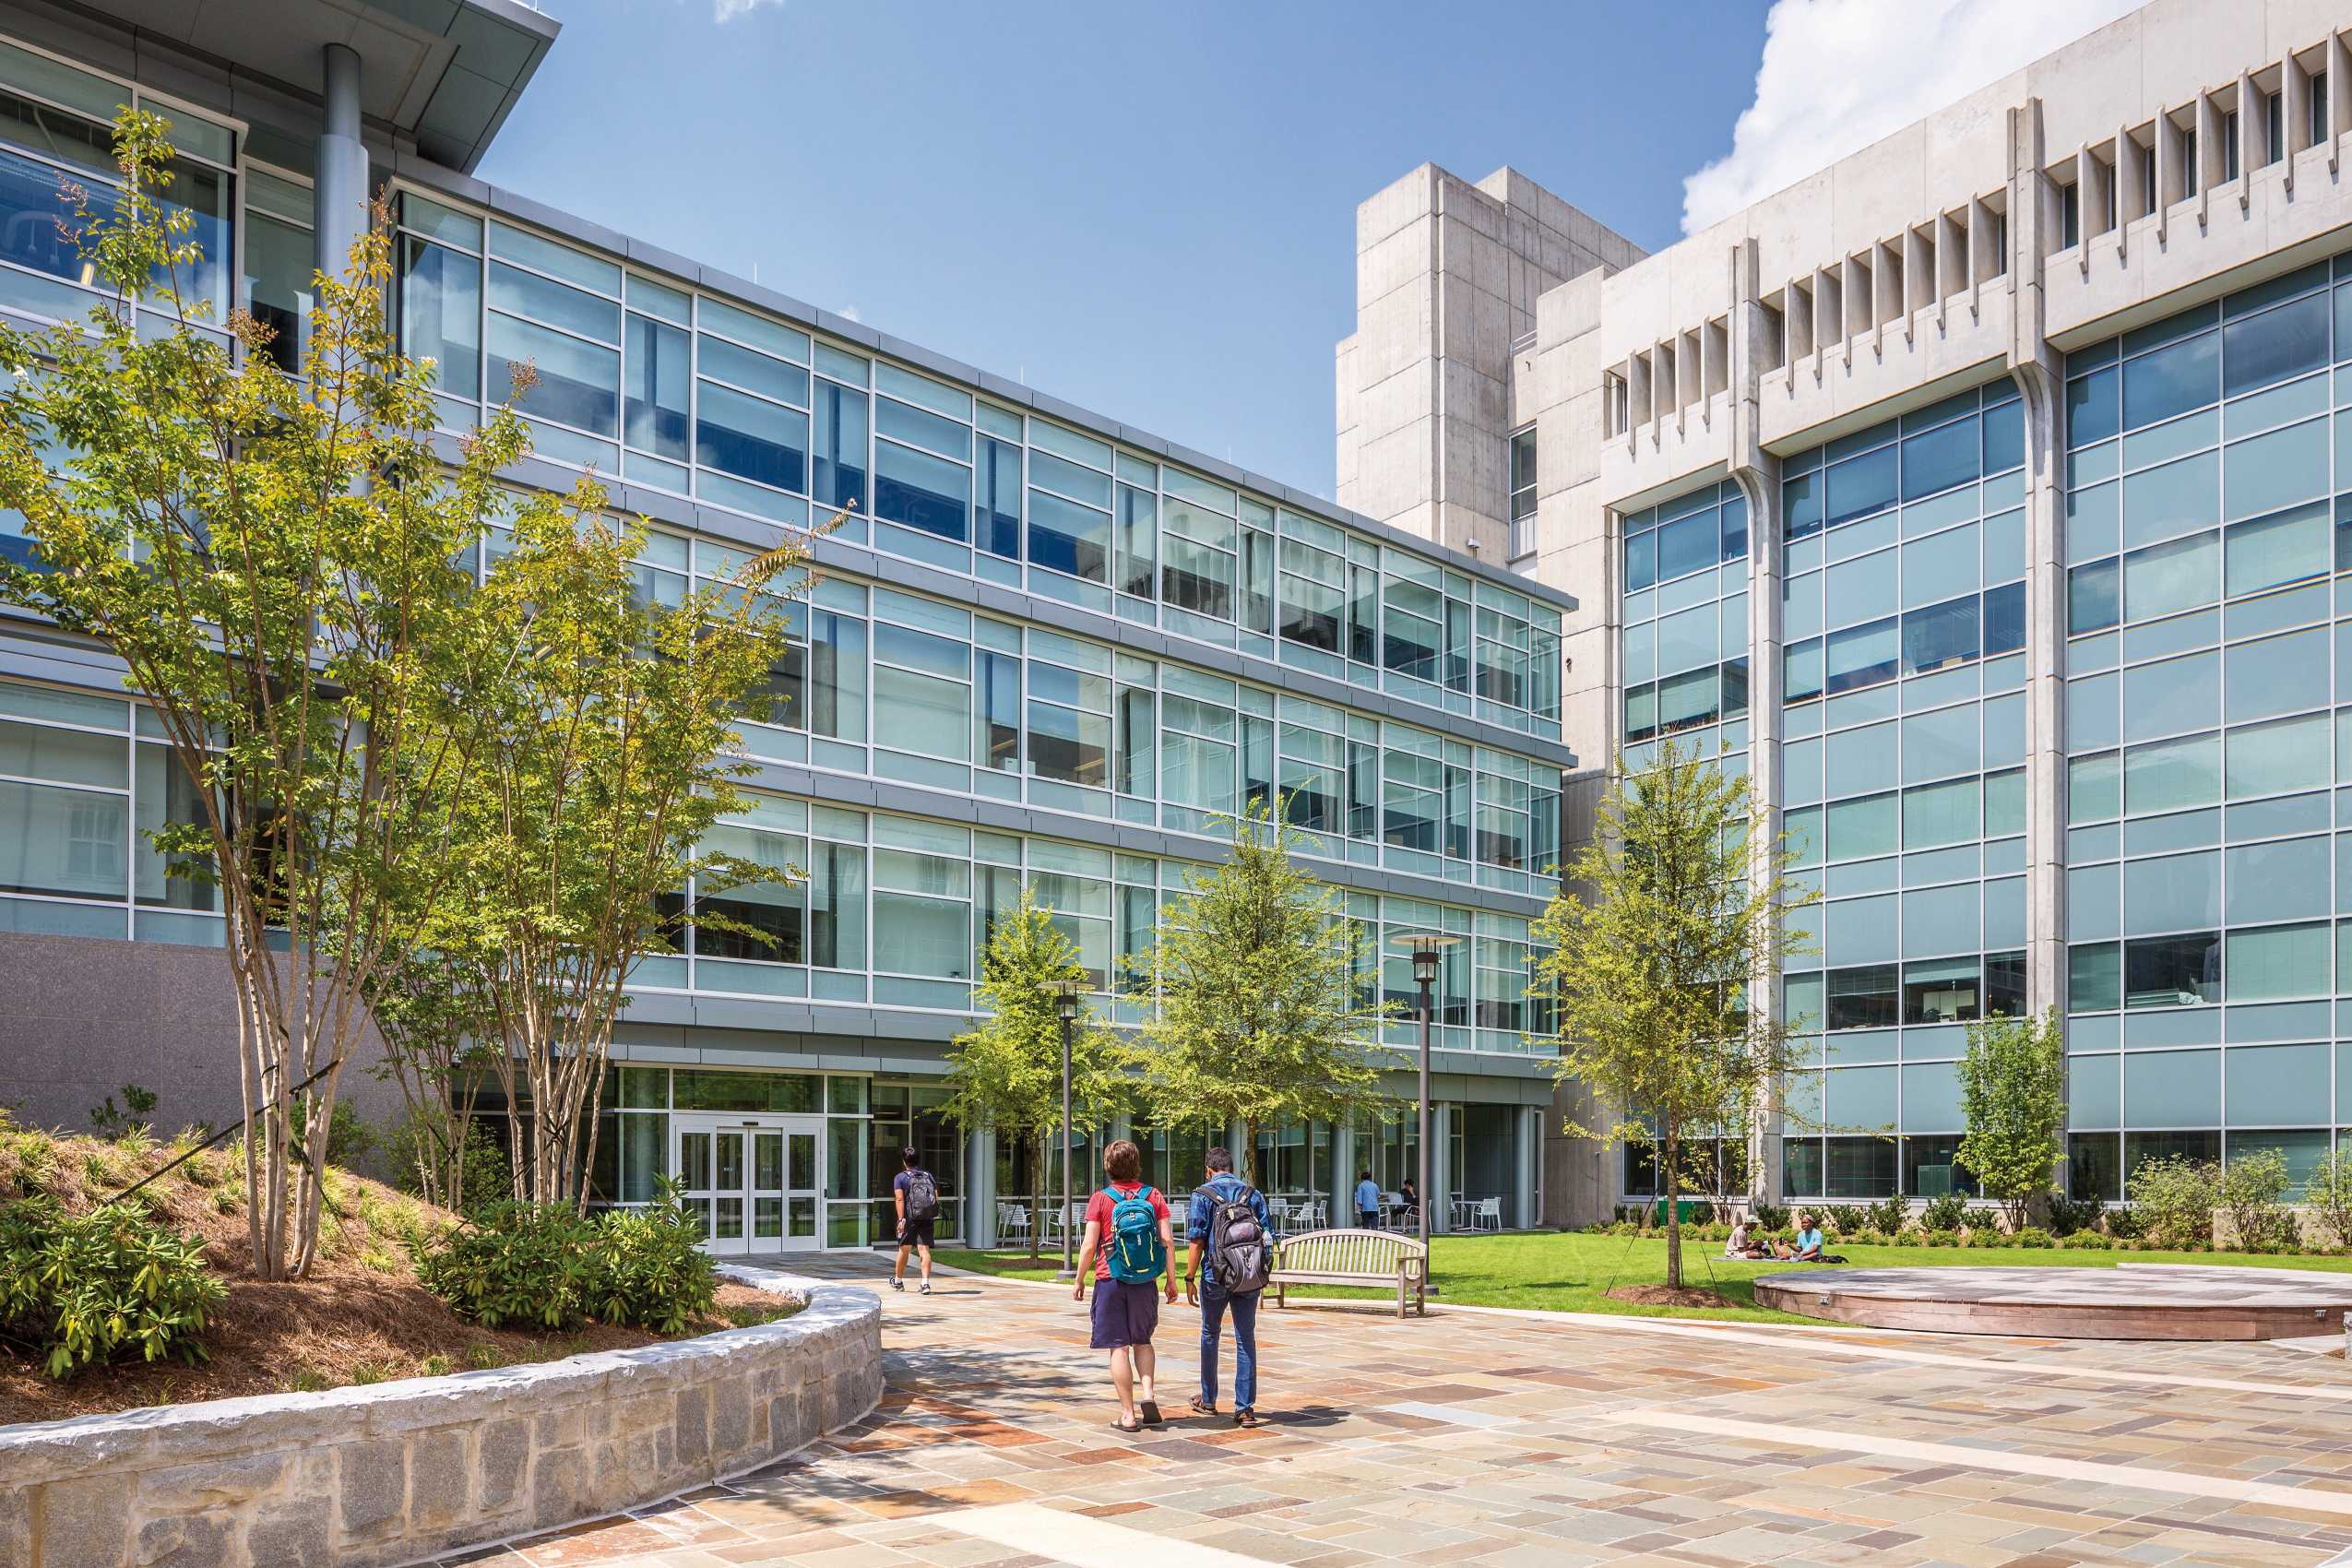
{"x":547,"y":1265}
{"x":81,"y":1290}
{"x":2029,"y":1236}
{"x":1771,"y":1217}
{"x":653,"y":1277}
{"x":2085,"y":1240}
{"x":2329,"y":1193}
{"x":2068,"y":1216}
{"x":2123,"y":1224}
{"x":2254,"y":1194}
{"x":533,"y":1264}
{"x":1890,"y":1215}
{"x":2175,"y":1197}
{"x":1942,"y":1239}
{"x":1943,"y":1215}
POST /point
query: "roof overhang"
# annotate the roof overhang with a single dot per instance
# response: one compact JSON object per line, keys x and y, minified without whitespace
{"x":443,"y":73}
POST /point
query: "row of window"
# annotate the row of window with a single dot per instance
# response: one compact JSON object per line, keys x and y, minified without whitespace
{"x":907,"y":899}
{"x":686,"y":392}
{"x":1971,"y":436}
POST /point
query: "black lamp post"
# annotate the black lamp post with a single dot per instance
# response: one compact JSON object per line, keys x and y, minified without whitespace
{"x":1067,"y":993}
{"x":1427,"y":947}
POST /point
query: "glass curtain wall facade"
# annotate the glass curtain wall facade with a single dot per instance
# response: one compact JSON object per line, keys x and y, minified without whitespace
{"x":2204,"y":658}
{"x":2205,"y":519}
{"x":1192,"y":647}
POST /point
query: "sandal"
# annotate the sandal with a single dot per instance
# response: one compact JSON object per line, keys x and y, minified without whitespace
{"x":1124,"y":1427}
{"x":1201,"y":1410}
{"x":1151,"y":1414}
{"x":1245,"y":1418}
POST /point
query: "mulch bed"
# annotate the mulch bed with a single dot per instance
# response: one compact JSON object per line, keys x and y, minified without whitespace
{"x":1670,"y":1296}
{"x":348,"y":1322}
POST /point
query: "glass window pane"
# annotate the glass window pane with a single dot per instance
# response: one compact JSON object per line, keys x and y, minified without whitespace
{"x":1940,"y":460}
{"x":2165,"y":578}
{"x":1861,"y":485}
{"x":2277,"y":345}
{"x":1939,"y":636}
{"x":2283,"y":548}
{"x":2180,"y":693}
{"x":2172,"y":775}
{"x":2094,"y":976}
{"x":659,"y":386}
{"x":2171,"y":381}
{"x":2092,"y":601}
{"x":2173,"y":971}
{"x":1069,"y":537}
{"x":578,"y":383}
{"x":921,"y":490}
{"x":2278,"y":674}
{"x":2172,"y":892}
{"x":1940,"y":813}
{"x":2266,"y":759}
{"x":63,"y":841}
{"x":1861,"y":830}
{"x":2281,"y":961}
{"x":1863,"y":656}
{"x":440,"y":314}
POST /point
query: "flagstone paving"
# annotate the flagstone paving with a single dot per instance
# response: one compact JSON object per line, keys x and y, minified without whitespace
{"x":1513,"y":1440}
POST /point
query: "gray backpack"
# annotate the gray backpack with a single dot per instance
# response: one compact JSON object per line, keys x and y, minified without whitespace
{"x":1239,"y":1249}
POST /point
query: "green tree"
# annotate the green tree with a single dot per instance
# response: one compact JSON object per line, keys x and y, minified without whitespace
{"x":1004,"y":1073}
{"x":604,"y":760}
{"x":1674,"y":910}
{"x":269,"y":557}
{"x":1268,"y":1006}
{"x":2328,"y":1194}
{"x":2013,"y":1100}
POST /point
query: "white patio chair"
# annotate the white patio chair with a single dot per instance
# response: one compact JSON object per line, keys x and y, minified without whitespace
{"x":1012,"y":1222}
{"x":1487,"y":1215}
{"x":1392,"y":1206}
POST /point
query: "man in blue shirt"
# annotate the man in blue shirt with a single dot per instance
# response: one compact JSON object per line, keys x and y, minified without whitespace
{"x":1367,"y":1201}
{"x":1809,"y":1242}
{"x":1224,"y":1187}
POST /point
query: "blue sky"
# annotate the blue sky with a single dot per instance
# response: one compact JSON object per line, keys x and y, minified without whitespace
{"x":1149,"y":209}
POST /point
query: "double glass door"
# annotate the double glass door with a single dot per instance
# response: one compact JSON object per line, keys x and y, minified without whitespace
{"x":752,"y":1180}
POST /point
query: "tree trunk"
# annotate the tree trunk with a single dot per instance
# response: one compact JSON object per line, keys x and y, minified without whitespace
{"x":1674,"y":1185}
{"x":1037,"y":1200}
{"x":1250,"y":1154}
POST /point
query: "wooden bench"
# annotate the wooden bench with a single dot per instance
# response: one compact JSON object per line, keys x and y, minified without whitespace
{"x":1377,"y":1259}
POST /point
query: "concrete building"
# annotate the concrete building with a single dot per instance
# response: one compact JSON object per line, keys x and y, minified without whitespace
{"x":1046,"y":651}
{"x":1978,"y":495}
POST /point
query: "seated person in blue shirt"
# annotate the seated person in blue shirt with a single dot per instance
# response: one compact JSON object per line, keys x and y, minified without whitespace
{"x":1809,"y":1239}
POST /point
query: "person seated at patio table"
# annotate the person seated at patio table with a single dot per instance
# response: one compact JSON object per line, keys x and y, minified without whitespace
{"x":1412,"y":1209}
{"x":1809,"y":1241}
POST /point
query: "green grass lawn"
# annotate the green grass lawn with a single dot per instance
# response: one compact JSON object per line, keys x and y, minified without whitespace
{"x":1568,"y":1272}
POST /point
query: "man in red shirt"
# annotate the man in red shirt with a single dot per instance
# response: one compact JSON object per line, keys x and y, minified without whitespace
{"x":1126,"y":1311}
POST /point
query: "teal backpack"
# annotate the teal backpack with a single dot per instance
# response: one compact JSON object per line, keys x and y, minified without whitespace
{"x":1134,"y":1250}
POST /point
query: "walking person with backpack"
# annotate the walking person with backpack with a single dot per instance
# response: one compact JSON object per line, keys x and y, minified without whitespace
{"x":916,"y":1192}
{"x":1129,"y":1247}
{"x":1231,"y":1254}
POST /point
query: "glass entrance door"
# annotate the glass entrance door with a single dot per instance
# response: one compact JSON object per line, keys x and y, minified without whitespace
{"x":751,"y":1181}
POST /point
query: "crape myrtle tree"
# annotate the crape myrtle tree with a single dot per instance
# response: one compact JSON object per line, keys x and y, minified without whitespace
{"x":1004,"y":1073}
{"x":604,"y":757}
{"x":2013,"y":1098}
{"x":270,"y":558}
{"x":1269,"y":1010}
{"x":1668,"y":920}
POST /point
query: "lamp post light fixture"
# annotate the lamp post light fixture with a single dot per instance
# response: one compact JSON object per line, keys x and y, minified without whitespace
{"x":1067,"y":994}
{"x":1427,"y":948}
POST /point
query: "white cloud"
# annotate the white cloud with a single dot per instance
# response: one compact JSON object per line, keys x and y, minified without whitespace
{"x":1838,"y":74}
{"x":725,"y":11}
{"x":848,"y":313}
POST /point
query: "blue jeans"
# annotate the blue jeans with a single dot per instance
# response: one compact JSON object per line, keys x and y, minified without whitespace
{"x":1245,"y":1346}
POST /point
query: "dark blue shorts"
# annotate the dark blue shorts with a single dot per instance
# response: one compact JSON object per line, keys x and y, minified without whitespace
{"x":1124,"y":1313}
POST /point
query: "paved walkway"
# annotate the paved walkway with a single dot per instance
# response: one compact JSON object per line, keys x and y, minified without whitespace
{"x":1516,"y":1440}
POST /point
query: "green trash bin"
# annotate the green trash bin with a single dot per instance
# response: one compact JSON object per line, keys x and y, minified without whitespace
{"x":1691,"y":1209}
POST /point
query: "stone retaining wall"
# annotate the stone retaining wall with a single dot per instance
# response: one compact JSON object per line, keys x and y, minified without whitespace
{"x":398,"y":1472}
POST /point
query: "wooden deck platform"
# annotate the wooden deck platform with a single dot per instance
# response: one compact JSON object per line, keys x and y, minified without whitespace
{"x":2130,"y":1301}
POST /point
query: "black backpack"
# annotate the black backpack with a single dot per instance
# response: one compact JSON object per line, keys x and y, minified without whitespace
{"x":1239,"y":1249}
{"x":922,"y":1197}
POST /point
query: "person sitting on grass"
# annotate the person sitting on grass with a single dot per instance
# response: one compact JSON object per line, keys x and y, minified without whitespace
{"x":1744,"y":1245}
{"x":1809,"y":1241}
